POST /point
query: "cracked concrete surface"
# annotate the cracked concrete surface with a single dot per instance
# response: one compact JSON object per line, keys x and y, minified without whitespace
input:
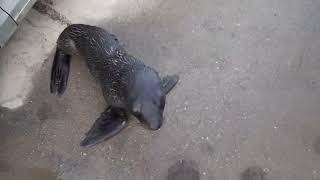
{"x":248,"y":97}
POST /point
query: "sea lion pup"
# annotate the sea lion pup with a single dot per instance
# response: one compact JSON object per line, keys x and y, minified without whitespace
{"x":128,"y":85}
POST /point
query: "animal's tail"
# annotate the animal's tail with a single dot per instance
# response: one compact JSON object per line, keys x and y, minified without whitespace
{"x":60,"y":72}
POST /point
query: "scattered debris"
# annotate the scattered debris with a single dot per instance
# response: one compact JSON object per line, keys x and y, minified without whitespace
{"x":44,"y":7}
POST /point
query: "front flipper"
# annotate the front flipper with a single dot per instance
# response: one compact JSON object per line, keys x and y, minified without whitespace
{"x":169,"y":82}
{"x":110,"y":122}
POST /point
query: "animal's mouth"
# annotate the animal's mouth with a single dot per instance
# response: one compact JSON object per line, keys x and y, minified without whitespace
{"x":139,"y":117}
{"x":151,"y":126}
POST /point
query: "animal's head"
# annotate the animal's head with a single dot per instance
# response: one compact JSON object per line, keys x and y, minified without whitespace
{"x":150,"y":97}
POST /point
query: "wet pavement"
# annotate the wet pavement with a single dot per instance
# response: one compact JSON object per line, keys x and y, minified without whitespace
{"x":246,"y":107}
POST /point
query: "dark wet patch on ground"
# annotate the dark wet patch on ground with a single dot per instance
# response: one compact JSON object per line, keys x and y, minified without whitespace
{"x":316,"y":145}
{"x":15,"y":123}
{"x":21,"y":132}
{"x":45,"y":111}
{"x":4,"y":167}
{"x":183,"y":170}
{"x":42,"y":173}
{"x":9,"y":171}
{"x":253,"y":173}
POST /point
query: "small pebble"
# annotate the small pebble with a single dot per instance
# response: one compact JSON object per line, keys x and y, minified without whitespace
{"x":266,"y":170}
{"x":204,"y":173}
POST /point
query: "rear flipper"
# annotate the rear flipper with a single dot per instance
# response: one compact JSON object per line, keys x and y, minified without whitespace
{"x":60,"y":72}
{"x":111,"y":122}
{"x":169,"y":82}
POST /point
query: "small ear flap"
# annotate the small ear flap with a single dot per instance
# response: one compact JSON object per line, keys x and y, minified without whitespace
{"x":169,"y":82}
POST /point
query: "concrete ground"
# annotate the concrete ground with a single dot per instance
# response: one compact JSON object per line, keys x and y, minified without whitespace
{"x":249,"y":94}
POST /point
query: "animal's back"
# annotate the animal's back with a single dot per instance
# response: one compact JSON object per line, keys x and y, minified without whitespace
{"x":95,"y":44}
{"x":107,"y":60}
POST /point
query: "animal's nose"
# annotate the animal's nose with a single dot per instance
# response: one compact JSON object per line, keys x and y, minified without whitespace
{"x":155,"y":126}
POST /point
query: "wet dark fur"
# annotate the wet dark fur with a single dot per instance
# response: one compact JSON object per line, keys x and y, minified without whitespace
{"x":127,"y":83}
